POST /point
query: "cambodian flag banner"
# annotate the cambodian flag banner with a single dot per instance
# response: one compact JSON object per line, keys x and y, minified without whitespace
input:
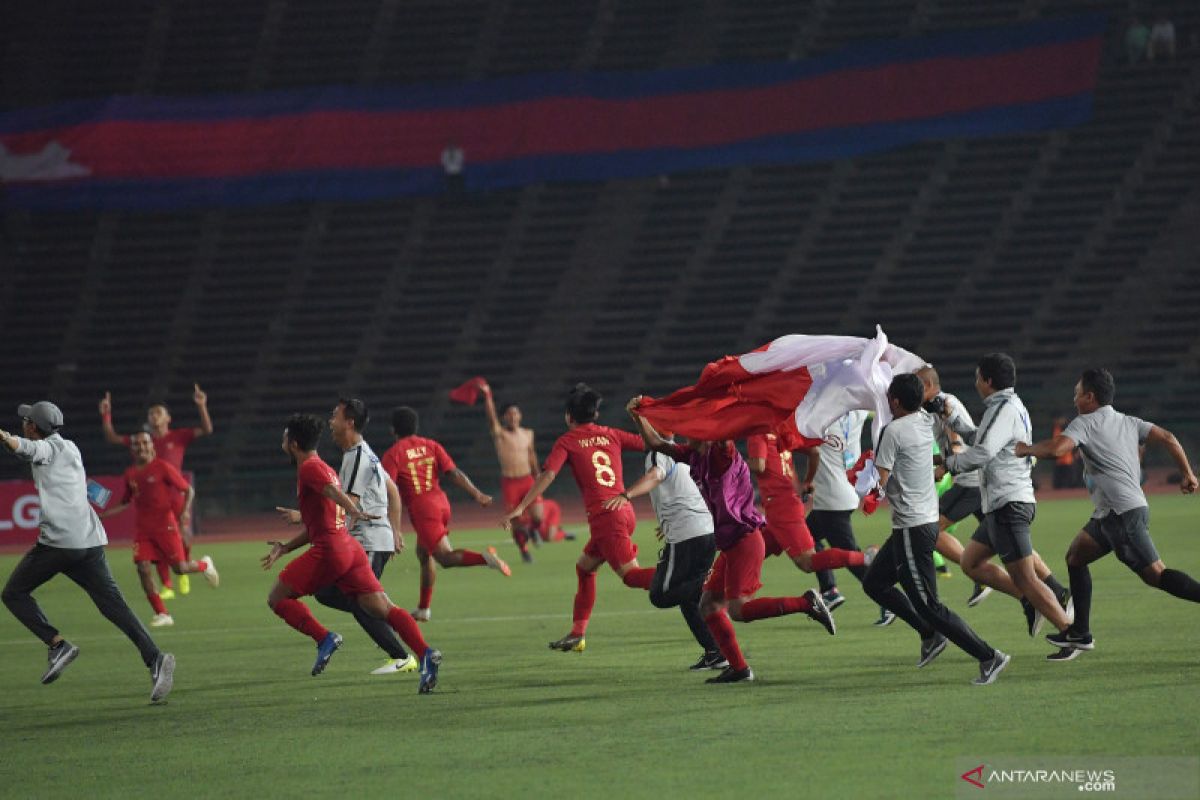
{"x":343,"y":143}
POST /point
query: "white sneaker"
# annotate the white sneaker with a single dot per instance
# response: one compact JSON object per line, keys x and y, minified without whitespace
{"x":495,"y":562}
{"x":210,"y":573}
{"x":161,"y":620}
{"x":420,"y":614}
{"x":408,"y":664}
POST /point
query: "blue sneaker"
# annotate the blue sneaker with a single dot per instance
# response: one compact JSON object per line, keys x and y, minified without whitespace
{"x":325,"y":650}
{"x":429,"y":670}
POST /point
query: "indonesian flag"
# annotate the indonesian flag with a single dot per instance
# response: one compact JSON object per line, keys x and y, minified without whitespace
{"x":468,"y":392}
{"x":796,"y":387}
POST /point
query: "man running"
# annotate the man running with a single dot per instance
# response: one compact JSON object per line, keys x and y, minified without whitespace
{"x":518,"y":467}
{"x":1109,"y":442}
{"x":833,"y":497}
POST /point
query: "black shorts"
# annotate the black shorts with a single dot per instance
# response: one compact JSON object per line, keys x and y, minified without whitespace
{"x":1006,"y":531}
{"x":960,"y":502}
{"x":833,"y":527}
{"x":1127,"y":535}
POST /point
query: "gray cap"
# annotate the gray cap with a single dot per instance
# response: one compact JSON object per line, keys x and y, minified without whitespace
{"x":44,"y":414}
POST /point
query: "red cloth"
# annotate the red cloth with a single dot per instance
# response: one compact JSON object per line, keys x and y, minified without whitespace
{"x":416,"y":465}
{"x":775,"y":481}
{"x":153,"y":490}
{"x":594,"y":452}
{"x":468,"y":392}
{"x":162,"y":548}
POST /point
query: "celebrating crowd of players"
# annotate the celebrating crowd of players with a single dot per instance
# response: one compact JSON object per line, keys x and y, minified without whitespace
{"x":704,"y":503}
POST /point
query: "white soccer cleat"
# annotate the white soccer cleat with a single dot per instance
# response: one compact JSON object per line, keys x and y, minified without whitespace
{"x":210,"y":572}
{"x":161,"y":620}
{"x":421,"y":614}
{"x":393,"y":666}
{"x":495,"y":562}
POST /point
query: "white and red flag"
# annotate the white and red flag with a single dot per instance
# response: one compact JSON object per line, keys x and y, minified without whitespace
{"x":796,"y":386}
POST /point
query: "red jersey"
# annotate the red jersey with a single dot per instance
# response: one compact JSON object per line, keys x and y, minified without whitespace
{"x":171,"y":446}
{"x":324,"y":518}
{"x":416,"y":465}
{"x":595,"y":455}
{"x":775,"y":482}
{"x":155,"y":491}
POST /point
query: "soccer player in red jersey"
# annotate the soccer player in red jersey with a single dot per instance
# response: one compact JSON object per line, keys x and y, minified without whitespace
{"x":594,"y":453}
{"x":723,"y":478}
{"x":786,"y":530}
{"x":334,"y":557}
{"x":416,"y":465}
{"x":170,"y":444}
{"x":152,"y":486}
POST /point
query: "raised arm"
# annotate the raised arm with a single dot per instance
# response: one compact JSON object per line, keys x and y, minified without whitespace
{"x":110,"y":435}
{"x":1164,"y":438}
{"x":649,"y":435}
{"x":489,"y":408}
{"x":463,"y":482}
{"x":201,"y":400}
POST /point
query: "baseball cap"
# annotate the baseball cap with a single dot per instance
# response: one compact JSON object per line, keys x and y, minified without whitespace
{"x":44,"y":414}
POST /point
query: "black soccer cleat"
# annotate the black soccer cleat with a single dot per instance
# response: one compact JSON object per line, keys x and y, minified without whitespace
{"x":819,"y":612}
{"x":931,"y":648}
{"x":1073,"y":639}
{"x":1064,"y":654}
{"x":710,"y":661}
{"x":731,"y":675}
{"x":1033,"y":618}
{"x":989,"y":670}
{"x":978,"y":595}
{"x":57,"y":659}
{"x":833,"y":598}
{"x":886,"y":617}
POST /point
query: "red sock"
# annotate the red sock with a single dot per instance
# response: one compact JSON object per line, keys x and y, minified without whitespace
{"x":426,"y":597}
{"x":472,"y":559}
{"x":722,"y":630}
{"x":639,"y":577}
{"x":406,"y":628}
{"x":585,"y":598}
{"x":297,"y":615}
{"x":767,"y":607}
{"x":836,"y":558}
{"x":164,"y":573}
{"x":156,"y":602}
{"x":201,"y":566}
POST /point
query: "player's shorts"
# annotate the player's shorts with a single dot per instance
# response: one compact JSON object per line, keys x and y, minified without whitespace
{"x":1127,"y":535}
{"x":164,"y":547}
{"x":784,"y":508}
{"x":514,"y":491}
{"x":347,"y":568}
{"x":432,"y":523}
{"x":738,"y":570}
{"x":790,"y":536}
{"x":1006,"y":531}
{"x":833,"y":527}
{"x":959,"y":502}
{"x":613,"y":523}
{"x":615,"y":550}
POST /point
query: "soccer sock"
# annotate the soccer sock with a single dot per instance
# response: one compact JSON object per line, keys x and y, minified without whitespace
{"x":521,"y":539}
{"x":201,"y":566}
{"x":835,"y":558}
{"x":1055,"y":586}
{"x":639,"y":577}
{"x":156,"y":603}
{"x":406,"y":628}
{"x":1179,"y":584}
{"x":164,"y":573}
{"x":938,"y":560}
{"x":472,"y":559}
{"x":722,"y":630}
{"x":767,"y":607}
{"x":296,"y":614}
{"x":585,"y":598}
{"x":426,"y":596}
{"x":1081,"y":592}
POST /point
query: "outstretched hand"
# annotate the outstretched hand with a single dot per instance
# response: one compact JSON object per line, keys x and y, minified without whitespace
{"x":290,"y":515}
{"x":277,"y":550}
{"x":633,"y":404}
{"x":506,"y":522}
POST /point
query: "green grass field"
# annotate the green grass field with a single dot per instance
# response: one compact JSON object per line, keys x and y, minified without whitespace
{"x":845,"y":717}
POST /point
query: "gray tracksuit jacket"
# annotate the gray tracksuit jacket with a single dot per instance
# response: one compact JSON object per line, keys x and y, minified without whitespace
{"x":1006,"y":478}
{"x":67,"y":519}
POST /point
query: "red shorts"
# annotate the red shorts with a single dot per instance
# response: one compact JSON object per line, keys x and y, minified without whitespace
{"x":616,"y":550}
{"x":788,"y":534}
{"x":432,"y":523}
{"x":164,"y":548}
{"x":514,"y":491}
{"x":347,"y":568}
{"x":737,"y":571}
{"x":613,"y":523}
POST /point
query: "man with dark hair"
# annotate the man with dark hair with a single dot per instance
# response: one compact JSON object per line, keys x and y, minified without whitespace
{"x":70,"y":541}
{"x":1109,"y":442}
{"x":904,"y":459}
{"x":416,"y":465}
{"x":594,"y":453}
{"x":334,"y":558}
{"x":518,"y":467}
{"x":170,"y":444}
{"x":1006,"y":492}
{"x":365,"y":482}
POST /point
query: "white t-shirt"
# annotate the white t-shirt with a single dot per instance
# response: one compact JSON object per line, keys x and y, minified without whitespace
{"x":678,"y":504}
{"x":840,"y":451}
{"x":362,"y":475}
{"x":906,"y":451}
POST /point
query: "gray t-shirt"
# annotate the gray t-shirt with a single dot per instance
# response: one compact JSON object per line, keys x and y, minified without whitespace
{"x":362,"y":475}
{"x":906,"y":451}
{"x":1109,"y":443}
{"x":840,"y":451}
{"x":66,"y":519}
{"x":681,"y":511}
{"x":942,"y":430}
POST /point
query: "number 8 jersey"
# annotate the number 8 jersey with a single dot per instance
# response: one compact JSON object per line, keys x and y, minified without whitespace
{"x":594,"y":452}
{"x":416,"y":464}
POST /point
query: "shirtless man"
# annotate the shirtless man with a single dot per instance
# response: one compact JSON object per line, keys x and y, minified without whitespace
{"x":518,"y":468}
